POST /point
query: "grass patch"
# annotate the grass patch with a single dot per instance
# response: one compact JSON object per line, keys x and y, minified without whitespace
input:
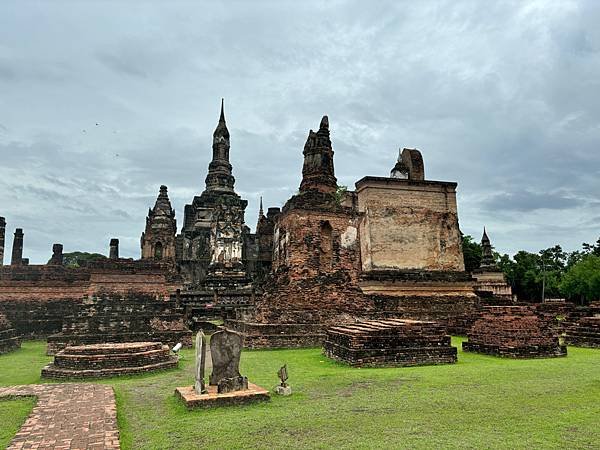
{"x":13,"y":413}
{"x":481,"y":402}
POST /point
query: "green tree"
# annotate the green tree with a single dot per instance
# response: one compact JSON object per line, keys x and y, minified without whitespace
{"x":78,"y":259}
{"x":582,"y":282}
{"x":471,"y":253}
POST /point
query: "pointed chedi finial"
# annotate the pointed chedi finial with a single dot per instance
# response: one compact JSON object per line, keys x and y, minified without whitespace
{"x":260,"y":210}
{"x":324,"y":125}
{"x":222,"y":117}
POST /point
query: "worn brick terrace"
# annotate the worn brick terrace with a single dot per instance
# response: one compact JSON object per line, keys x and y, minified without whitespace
{"x":67,"y":416}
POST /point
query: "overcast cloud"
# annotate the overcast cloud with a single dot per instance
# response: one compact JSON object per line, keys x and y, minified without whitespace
{"x":102,"y":102}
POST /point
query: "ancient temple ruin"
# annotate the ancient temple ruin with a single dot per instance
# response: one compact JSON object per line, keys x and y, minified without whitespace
{"x":213,"y":234}
{"x":391,"y":248}
{"x":491,"y":281}
{"x":158,"y":239}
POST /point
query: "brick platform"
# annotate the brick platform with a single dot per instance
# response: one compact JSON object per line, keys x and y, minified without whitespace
{"x":107,"y":360}
{"x":8,"y":336}
{"x":67,"y":416}
{"x":192,"y":399}
{"x":122,"y":318}
{"x":391,"y":342}
{"x":514,"y":332}
{"x":586,"y":333}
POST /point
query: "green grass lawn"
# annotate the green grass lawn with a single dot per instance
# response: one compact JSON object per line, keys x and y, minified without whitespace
{"x":481,"y":402}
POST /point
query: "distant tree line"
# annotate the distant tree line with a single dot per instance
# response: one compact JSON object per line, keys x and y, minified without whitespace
{"x":550,"y":273}
{"x":78,"y":259}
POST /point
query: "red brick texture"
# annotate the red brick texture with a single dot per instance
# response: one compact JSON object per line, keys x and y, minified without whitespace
{"x":514,"y":332}
{"x":67,"y":416}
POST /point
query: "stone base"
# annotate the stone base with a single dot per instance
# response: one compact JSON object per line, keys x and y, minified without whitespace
{"x":60,"y":341}
{"x":586,"y":333}
{"x":390,"y":343}
{"x":108,"y":360}
{"x":9,"y":341}
{"x":514,"y":332}
{"x":283,"y":390}
{"x":278,"y":335}
{"x":192,"y":399}
{"x":534,"y":351}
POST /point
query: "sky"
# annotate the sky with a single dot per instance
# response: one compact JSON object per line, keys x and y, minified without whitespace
{"x":102,"y":102}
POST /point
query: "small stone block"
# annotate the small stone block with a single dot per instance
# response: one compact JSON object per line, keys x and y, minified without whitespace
{"x":283,"y":390}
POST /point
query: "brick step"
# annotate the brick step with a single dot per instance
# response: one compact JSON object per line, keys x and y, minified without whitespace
{"x":101,"y":362}
{"x":9,"y":344}
{"x":59,"y":341}
{"x":396,"y":357}
{"x":51,"y":371}
{"x":123,"y":348}
{"x":532,"y":351}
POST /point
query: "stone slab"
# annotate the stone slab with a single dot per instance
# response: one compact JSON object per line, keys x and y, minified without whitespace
{"x":192,"y":399}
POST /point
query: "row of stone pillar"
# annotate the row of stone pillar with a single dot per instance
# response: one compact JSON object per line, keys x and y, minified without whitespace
{"x":17,"y":250}
{"x":57,"y":249}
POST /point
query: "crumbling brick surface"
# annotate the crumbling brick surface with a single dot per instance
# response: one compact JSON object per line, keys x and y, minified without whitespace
{"x":114,"y":318}
{"x":391,"y":342}
{"x":67,"y":416}
{"x":314,"y":281}
{"x":37,"y":298}
{"x":106,"y":360}
{"x":8,"y":337}
{"x":515,"y":332}
{"x":585,"y":329}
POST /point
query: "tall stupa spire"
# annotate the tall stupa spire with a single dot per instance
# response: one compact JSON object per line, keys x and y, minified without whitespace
{"x":219,"y":176}
{"x":487,"y":255}
{"x":317,"y":171}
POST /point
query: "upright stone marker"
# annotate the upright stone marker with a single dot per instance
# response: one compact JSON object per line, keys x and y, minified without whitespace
{"x":226,"y":386}
{"x":200,"y":363}
{"x":226,"y":348}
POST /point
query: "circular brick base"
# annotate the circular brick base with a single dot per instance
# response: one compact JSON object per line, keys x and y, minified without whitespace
{"x":107,"y":360}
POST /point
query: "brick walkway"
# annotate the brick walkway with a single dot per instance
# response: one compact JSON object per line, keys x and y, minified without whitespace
{"x":67,"y":416}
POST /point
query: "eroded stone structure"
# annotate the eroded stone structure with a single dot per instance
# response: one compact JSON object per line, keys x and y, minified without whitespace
{"x":37,"y":298}
{"x":113,"y":318}
{"x":110,"y":360}
{"x":8,"y":336}
{"x":390,"y":343}
{"x":212,"y":237}
{"x":491,"y":281}
{"x":514,"y":332}
{"x":17,"y":249}
{"x":226,"y":385}
{"x":2,"y":237}
{"x":584,"y":331}
{"x":391,"y":248}
{"x":158,"y":240}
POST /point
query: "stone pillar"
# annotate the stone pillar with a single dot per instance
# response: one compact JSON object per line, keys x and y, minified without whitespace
{"x":17,"y":249}
{"x":2,"y":234}
{"x":114,"y":249}
{"x":57,"y":255}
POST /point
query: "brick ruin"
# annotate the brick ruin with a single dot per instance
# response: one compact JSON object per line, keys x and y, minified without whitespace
{"x":390,"y":343}
{"x":120,"y":318}
{"x":108,"y":360}
{"x":37,"y":298}
{"x":9,"y":340}
{"x":514,"y":332}
{"x":391,"y":248}
{"x":585,"y":332}
{"x":491,"y":283}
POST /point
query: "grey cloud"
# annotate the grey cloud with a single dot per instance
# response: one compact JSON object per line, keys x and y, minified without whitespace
{"x":501,"y":97}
